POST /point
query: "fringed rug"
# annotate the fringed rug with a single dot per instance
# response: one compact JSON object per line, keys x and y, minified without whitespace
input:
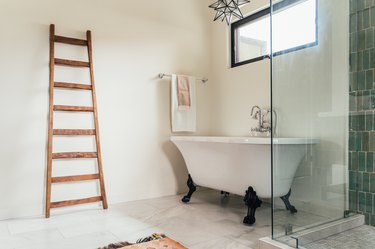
{"x":155,"y":241}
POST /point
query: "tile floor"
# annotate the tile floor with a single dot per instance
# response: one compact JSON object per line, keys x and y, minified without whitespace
{"x":208,"y":221}
{"x":362,"y":237}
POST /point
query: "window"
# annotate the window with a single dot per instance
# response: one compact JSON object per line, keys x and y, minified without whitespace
{"x":294,"y":27}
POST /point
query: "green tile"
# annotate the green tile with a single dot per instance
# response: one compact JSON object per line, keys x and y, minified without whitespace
{"x":366,"y":182}
{"x":369,"y":121}
{"x":366,"y":59}
{"x":353,"y":142}
{"x":369,"y":203}
{"x":353,"y":200}
{"x":369,"y":79}
{"x":372,"y":58}
{"x":361,"y":122}
{"x":354,"y":161}
{"x":353,"y":6}
{"x":353,"y":42}
{"x":372,"y":15}
{"x":353,"y":180}
{"x":372,"y":223}
{"x":354,"y":81}
{"x":359,"y":181}
{"x":361,"y":40}
{"x":369,"y":162}
{"x":366,"y":100}
{"x":359,"y":99}
{"x":372,"y":141}
{"x":372,"y":99}
{"x":362,"y":161}
{"x":369,"y":3}
{"x":360,"y":61}
{"x":360,"y":21}
{"x":358,"y":141}
{"x":365,"y":141}
{"x":353,"y":101}
{"x":354,"y":125}
{"x":354,"y":22}
{"x":362,"y":201}
{"x":367,"y":218}
{"x":366,"y":18}
{"x":353,"y":61}
{"x":361,"y":4}
{"x":361,"y":80}
{"x":372,"y":182}
{"x":369,"y":38}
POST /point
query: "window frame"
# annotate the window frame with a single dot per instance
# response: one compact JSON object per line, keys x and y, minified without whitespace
{"x":278,"y":6}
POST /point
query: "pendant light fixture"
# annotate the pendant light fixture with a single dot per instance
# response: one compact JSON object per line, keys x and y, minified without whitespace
{"x":226,"y":9}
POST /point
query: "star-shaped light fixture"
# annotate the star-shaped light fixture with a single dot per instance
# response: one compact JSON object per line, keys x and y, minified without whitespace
{"x":226,"y":9}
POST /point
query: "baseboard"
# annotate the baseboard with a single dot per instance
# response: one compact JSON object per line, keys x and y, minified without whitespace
{"x":21,"y":212}
{"x":37,"y":210}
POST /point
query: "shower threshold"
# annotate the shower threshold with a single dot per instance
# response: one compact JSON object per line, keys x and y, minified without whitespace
{"x":308,"y":238}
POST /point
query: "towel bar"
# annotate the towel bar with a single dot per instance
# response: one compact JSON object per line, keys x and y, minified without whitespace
{"x":162,"y":75}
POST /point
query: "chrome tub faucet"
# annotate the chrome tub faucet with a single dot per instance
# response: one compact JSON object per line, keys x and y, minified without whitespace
{"x":259,"y":114}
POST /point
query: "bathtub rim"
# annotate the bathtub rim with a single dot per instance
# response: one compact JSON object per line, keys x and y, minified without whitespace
{"x":245,"y":140}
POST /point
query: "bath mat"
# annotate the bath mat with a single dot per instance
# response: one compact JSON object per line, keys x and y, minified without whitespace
{"x":155,"y":241}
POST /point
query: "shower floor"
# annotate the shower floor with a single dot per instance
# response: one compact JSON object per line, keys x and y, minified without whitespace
{"x":357,"y":238}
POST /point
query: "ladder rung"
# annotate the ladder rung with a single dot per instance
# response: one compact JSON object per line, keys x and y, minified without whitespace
{"x":71,"y":63}
{"x":72,"y":86}
{"x":68,"y":108}
{"x":72,"y":41}
{"x":67,"y":155}
{"x":58,"y":204}
{"x":75,"y":178}
{"x":73,"y":132}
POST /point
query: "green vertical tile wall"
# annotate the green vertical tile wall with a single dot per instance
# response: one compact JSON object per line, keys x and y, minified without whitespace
{"x":369,"y":121}
{"x":362,"y":109}
{"x":370,"y":162}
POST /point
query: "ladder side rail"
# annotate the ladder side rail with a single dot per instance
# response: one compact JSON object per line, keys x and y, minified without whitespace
{"x":96,"y":123}
{"x":50,"y":118}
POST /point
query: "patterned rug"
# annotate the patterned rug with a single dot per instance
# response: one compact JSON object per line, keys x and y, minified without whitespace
{"x":154,"y":241}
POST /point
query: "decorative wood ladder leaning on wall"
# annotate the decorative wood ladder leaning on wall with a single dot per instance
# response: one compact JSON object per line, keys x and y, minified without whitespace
{"x":72,"y":132}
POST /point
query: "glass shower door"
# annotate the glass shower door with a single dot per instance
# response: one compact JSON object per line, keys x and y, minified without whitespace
{"x":310,"y":92}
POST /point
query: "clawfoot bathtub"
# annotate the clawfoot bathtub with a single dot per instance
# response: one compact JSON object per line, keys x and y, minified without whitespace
{"x":242,"y":165}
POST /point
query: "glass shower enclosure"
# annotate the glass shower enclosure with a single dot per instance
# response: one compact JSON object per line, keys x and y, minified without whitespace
{"x":310,"y":99}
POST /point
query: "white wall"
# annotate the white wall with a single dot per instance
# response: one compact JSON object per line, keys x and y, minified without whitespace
{"x":236,"y":89}
{"x":133,"y":41}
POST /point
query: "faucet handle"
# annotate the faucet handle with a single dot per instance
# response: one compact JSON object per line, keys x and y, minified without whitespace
{"x":252,"y":110}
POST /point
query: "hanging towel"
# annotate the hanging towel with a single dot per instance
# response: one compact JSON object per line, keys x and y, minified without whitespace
{"x":183,"y":92}
{"x":183,"y":119}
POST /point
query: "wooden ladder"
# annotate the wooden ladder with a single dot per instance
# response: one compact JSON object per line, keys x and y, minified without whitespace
{"x":72,"y":132}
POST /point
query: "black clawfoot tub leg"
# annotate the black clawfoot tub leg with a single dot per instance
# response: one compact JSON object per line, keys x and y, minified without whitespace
{"x":252,"y":202}
{"x":192,"y":189}
{"x":286,"y":201}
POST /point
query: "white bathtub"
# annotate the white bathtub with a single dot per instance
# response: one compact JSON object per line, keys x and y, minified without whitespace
{"x":232,"y":164}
